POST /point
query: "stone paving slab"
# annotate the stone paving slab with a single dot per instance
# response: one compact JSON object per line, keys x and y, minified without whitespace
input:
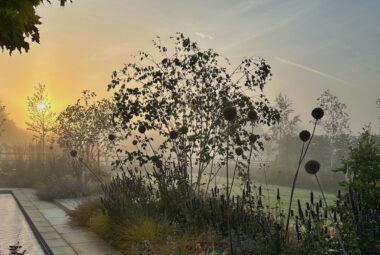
{"x":52,"y":222}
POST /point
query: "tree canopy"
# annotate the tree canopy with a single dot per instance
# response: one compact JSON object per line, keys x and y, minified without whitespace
{"x":86,"y":125}
{"x":18,"y":21}
{"x":180,"y":95}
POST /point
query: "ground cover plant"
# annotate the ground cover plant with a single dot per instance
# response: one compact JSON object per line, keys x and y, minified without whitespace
{"x":165,"y":202}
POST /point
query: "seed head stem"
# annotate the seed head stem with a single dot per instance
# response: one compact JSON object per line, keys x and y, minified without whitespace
{"x":331,"y":218}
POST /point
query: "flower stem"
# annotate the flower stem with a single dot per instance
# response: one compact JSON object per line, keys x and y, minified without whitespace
{"x":331,"y":218}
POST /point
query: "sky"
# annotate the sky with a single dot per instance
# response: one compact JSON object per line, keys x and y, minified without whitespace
{"x":310,"y":45}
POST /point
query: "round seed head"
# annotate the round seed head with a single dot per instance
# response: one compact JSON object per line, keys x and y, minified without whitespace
{"x":173,"y":134}
{"x":159,"y":164}
{"x":304,"y":135}
{"x":253,"y":138}
{"x":252,"y":115}
{"x":239,"y":151}
{"x":111,"y":137}
{"x":73,"y":153}
{"x":134,"y":142}
{"x":142,"y":129}
{"x":317,"y":113}
{"x":312,"y":166}
{"x":155,"y":159}
{"x":229,"y":113}
{"x":183,"y":130}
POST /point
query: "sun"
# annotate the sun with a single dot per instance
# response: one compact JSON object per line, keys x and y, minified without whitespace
{"x":41,"y":107}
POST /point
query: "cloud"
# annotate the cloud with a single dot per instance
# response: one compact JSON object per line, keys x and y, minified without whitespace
{"x":309,"y":69}
{"x":201,"y":35}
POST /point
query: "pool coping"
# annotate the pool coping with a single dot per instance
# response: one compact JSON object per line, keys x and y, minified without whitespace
{"x":44,"y":246}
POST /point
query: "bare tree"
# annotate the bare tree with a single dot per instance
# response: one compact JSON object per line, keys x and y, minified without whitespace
{"x":41,"y":117}
{"x":335,"y":123}
{"x":287,"y":126}
{"x":2,"y":117}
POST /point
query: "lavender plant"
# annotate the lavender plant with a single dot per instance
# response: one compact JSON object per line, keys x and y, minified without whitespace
{"x":312,"y":167}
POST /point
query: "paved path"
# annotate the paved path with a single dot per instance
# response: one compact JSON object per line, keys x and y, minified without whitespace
{"x":52,"y":222}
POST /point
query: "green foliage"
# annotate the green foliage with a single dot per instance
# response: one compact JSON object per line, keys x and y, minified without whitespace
{"x":362,"y":168}
{"x":18,"y":21}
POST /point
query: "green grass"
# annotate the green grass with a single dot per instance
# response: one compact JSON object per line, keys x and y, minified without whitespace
{"x":299,"y":193}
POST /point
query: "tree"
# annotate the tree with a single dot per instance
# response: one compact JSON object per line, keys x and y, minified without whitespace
{"x":41,"y":117}
{"x":85,"y":126}
{"x":362,"y":168}
{"x":18,"y":20}
{"x":179,"y":98}
{"x":335,"y":124}
{"x":2,"y":117}
{"x":288,"y":125}
{"x":283,"y":134}
{"x":378,"y":105}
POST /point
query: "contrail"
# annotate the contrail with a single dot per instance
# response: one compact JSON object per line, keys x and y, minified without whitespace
{"x":329,"y":76}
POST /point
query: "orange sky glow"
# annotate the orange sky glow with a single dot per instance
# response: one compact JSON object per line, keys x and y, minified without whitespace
{"x":82,"y":43}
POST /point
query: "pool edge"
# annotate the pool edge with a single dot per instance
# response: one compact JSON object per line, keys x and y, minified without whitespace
{"x":44,"y":246}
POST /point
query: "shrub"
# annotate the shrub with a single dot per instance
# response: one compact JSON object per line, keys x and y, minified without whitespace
{"x":62,"y":189}
{"x":362,"y":168}
{"x":84,"y":212}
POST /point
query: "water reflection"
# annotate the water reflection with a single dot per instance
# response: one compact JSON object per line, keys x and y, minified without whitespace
{"x":14,"y":229}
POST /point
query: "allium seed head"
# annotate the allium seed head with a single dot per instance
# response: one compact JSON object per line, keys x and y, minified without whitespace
{"x":239,"y":151}
{"x":155,"y":159}
{"x":142,"y":129}
{"x":183,"y":130}
{"x":134,"y":142}
{"x":229,"y":113}
{"x":253,"y":138}
{"x":304,"y":135}
{"x":159,"y":164}
{"x":73,"y":153}
{"x":252,"y":115}
{"x":173,"y":134}
{"x":111,"y":137}
{"x":317,"y":113}
{"x":312,"y":166}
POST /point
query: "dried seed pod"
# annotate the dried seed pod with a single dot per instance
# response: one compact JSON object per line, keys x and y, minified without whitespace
{"x":111,"y":137}
{"x":183,"y":130}
{"x":253,"y":138}
{"x":239,"y":151}
{"x":252,"y":115}
{"x":155,"y":159}
{"x":229,"y":113}
{"x":304,"y":135}
{"x":142,"y":129}
{"x":312,"y":166}
{"x":173,"y":134}
{"x":73,"y":153}
{"x":317,"y":113}
{"x":159,"y":164}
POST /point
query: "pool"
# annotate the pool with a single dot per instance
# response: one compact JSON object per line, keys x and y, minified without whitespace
{"x":16,"y":228}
